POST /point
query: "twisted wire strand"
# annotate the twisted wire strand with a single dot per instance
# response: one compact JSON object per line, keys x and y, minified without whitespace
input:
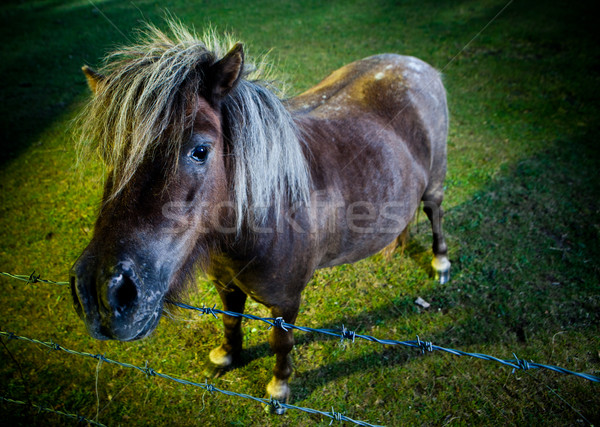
{"x":32,"y":278}
{"x":79,"y":418}
{"x":148,"y":371}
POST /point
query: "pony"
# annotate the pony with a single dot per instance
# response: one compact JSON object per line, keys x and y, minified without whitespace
{"x":210,"y":170}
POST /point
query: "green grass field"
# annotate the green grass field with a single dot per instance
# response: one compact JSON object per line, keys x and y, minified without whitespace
{"x":523,"y":224}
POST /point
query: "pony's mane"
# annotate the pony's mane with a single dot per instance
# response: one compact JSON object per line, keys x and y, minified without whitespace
{"x":148,"y":101}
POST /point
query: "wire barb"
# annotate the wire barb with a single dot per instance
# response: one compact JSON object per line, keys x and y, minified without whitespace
{"x":100,"y":357}
{"x":209,"y":387}
{"x":148,"y":370}
{"x":424,"y":345}
{"x":33,"y":278}
{"x":521,"y":364}
{"x":275,"y":404}
{"x":347,"y":335}
{"x":54,"y":346}
{"x":335,"y":416}
{"x":278,"y":322}
{"x":209,"y":310}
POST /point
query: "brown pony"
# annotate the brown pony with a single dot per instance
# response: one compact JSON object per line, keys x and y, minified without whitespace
{"x":210,"y":171}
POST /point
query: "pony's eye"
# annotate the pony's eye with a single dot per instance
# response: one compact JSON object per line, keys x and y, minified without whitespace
{"x":200,"y":153}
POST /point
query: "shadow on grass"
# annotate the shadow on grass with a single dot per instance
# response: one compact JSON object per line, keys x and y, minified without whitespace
{"x":44,"y":46}
{"x":522,"y":270}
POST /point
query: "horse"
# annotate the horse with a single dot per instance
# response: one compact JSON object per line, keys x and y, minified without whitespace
{"x":210,"y":170}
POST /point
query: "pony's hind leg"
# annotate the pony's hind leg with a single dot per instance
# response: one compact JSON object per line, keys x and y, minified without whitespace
{"x":223,"y":356}
{"x":441,"y":264}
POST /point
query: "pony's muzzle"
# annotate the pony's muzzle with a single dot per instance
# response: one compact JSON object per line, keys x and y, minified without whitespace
{"x":110,"y":303}
{"x":84,"y":301}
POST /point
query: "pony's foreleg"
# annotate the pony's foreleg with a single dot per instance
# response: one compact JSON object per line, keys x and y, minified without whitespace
{"x":223,"y":356}
{"x":440,"y":263}
{"x":281,"y":342}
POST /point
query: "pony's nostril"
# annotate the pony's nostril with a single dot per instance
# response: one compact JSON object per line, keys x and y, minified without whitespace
{"x":124,"y":293}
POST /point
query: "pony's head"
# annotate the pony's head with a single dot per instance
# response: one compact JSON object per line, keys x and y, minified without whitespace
{"x":191,"y":144}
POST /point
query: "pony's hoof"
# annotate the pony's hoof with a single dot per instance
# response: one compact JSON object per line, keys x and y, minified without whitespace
{"x":441,"y":266}
{"x":219,"y":362}
{"x":278,"y":391}
{"x":442,"y":277}
{"x":275,"y":408}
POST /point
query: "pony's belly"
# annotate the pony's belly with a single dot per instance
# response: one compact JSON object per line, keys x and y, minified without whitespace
{"x":357,"y":251}
{"x":357,"y":236}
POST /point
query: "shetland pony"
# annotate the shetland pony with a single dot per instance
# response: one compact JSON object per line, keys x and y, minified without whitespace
{"x":210,"y":171}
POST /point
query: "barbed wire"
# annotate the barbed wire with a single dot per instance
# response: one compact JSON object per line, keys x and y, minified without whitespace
{"x":150,"y":372}
{"x":345,"y":334}
{"x":424,"y":346}
{"x":33,"y":278}
{"x":78,"y":418}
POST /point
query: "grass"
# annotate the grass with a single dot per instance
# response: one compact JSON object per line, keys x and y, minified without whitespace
{"x":523,"y":224}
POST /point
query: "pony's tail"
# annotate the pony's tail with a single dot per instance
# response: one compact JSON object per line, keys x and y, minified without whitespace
{"x":399,"y":241}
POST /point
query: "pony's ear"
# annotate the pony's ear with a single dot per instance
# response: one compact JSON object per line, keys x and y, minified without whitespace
{"x":93,"y":78}
{"x":226,"y":73}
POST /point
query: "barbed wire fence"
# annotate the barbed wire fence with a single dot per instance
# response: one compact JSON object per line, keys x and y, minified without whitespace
{"x":343,"y":334}
{"x":150,"y":372}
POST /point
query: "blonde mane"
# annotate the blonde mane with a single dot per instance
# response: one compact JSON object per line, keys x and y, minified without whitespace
{"x":147,"y":103}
